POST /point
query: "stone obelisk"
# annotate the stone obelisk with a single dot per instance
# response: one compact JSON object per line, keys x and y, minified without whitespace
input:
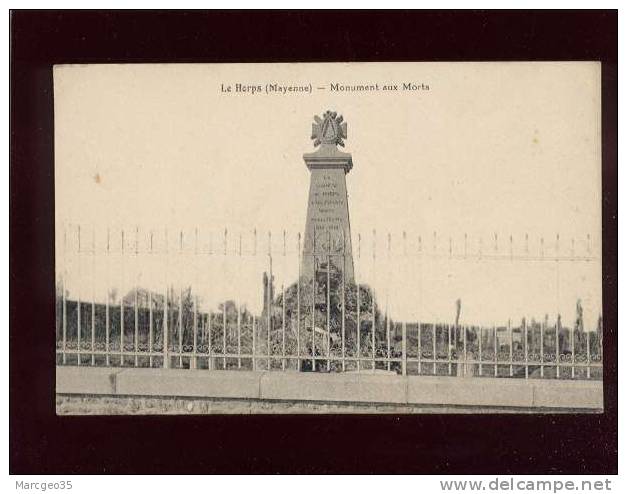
{"x":327,"y":208}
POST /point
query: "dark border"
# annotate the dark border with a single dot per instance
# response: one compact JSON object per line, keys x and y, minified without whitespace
{"x":41,"y":442}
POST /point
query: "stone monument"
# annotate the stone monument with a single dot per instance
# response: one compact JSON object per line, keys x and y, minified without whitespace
{"x":327,"y":208}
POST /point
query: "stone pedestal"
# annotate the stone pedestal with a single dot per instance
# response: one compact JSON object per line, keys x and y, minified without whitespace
{"x":327,"y":228}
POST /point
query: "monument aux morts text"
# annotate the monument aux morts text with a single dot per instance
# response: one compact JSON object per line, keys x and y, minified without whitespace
{"x":327,"y":228}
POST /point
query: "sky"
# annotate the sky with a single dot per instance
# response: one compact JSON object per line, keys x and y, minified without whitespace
{"x":490,"y":151}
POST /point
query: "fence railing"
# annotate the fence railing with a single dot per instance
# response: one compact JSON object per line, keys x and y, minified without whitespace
{"x":324,"y":323}
{"x":135,"y":337}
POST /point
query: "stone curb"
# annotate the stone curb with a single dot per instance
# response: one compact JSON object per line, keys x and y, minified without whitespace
{"x":334,"y":388}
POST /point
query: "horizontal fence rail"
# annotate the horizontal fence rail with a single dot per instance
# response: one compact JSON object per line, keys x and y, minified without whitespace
{"x":324,"y":324}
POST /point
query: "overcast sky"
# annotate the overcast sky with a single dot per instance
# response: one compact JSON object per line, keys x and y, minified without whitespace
{"x":511,"y":149}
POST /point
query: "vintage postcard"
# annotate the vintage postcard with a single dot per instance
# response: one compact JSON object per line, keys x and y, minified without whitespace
{"x":328,"y":238}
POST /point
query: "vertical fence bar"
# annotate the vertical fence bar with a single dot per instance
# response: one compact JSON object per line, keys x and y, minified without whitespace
{"x":511,"y":344}
{"x":269,"y":302}
{"x":150,"y":316}
{"x":224,"y":306}
{"x":465,"y":371}
{"x":239,"y":334}
{"x":254,"y":342}
{"x":374,"y":311}
{"x":358,"y":302}
{"x":480,"y":351}
{"x":542,"y":349}
{"x":588,"y":354}
{"x":420,"y":262}
{"x":419,"y":348}
{"x":78,"y":301}
{"x":254,"y":363}
{"x":107,"y":328}
{"x":224,"y":323}
{"x":93,"y":297}
{"x":572,"y":345}
{"x":283,"y":310}
{"x":210,"y":343}
{"x":165,"y":337}
{"x":64,"y":298}
{"x":343,"y":301}
{"x":298,"y":306}
{"x":450,"y":362}
{"x":136,"y":322}
{"x":122,"y":304}
{"x":283,"y":362}
{"x":181,"y":307}
{"x":239,"y":310}
{"x":526,"y":348}
{"x":435,"y":349}
{"x":313,"y":304}
{"x":193,"y":363}
{"x":404,"y":349}
{"x":557,"y":350}
{"x":496,"y":351}
{"x":387,"y":296}
{"x":328,"y":300}
{"x":210,"y":313}
{"x":558,"y":322}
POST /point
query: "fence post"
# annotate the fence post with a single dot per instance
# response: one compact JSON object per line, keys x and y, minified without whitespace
{"x":404,"y":348}
{"x":480,"y":351}
{"x":465,"y":353}
{"x":435,"y":348}
{"x":284,"y":262}
{"x":449,"y":353}
{"x":93,"y":297}
{"x":557,"y":350}
{"x":328,"y":300}
{"x":374,"y":311}
{"x":526,"y":349}
{"x":270,"y":297}
{"x":239,"y":309}
{"x":107,"y":328}
{"x":64,"y":300}
{"x":588,"y":354}
{"x":136,"y":309}
{"x":313,"y":304}
{"x":542,"y":349}
{"x":254,"y":343}
{"x":209,"y":343}
{"x":419,"y":348}
{"x":193,"y":361}
{"x":343,"y":302}
{"x":358,"y":302}
{"x":496,"y":351}
{"x":122,"y":306}
{"x":165,"y":338}
{"x":387,"y":299}
{"x":254,"y":365}
{"x":572,"y":345}
{"x":78,"y":301}
{"x":511,"y":347}
{"x":150,"y":321}
{"x":298,"y":307}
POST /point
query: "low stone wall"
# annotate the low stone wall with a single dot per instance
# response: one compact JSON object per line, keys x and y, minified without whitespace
{"x":119,"y":390}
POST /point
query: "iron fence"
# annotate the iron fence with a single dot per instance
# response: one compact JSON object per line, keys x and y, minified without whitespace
{"x":324,"y":324}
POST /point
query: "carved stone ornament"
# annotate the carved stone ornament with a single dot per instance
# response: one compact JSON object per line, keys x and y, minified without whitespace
{"x":330,"y":129}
